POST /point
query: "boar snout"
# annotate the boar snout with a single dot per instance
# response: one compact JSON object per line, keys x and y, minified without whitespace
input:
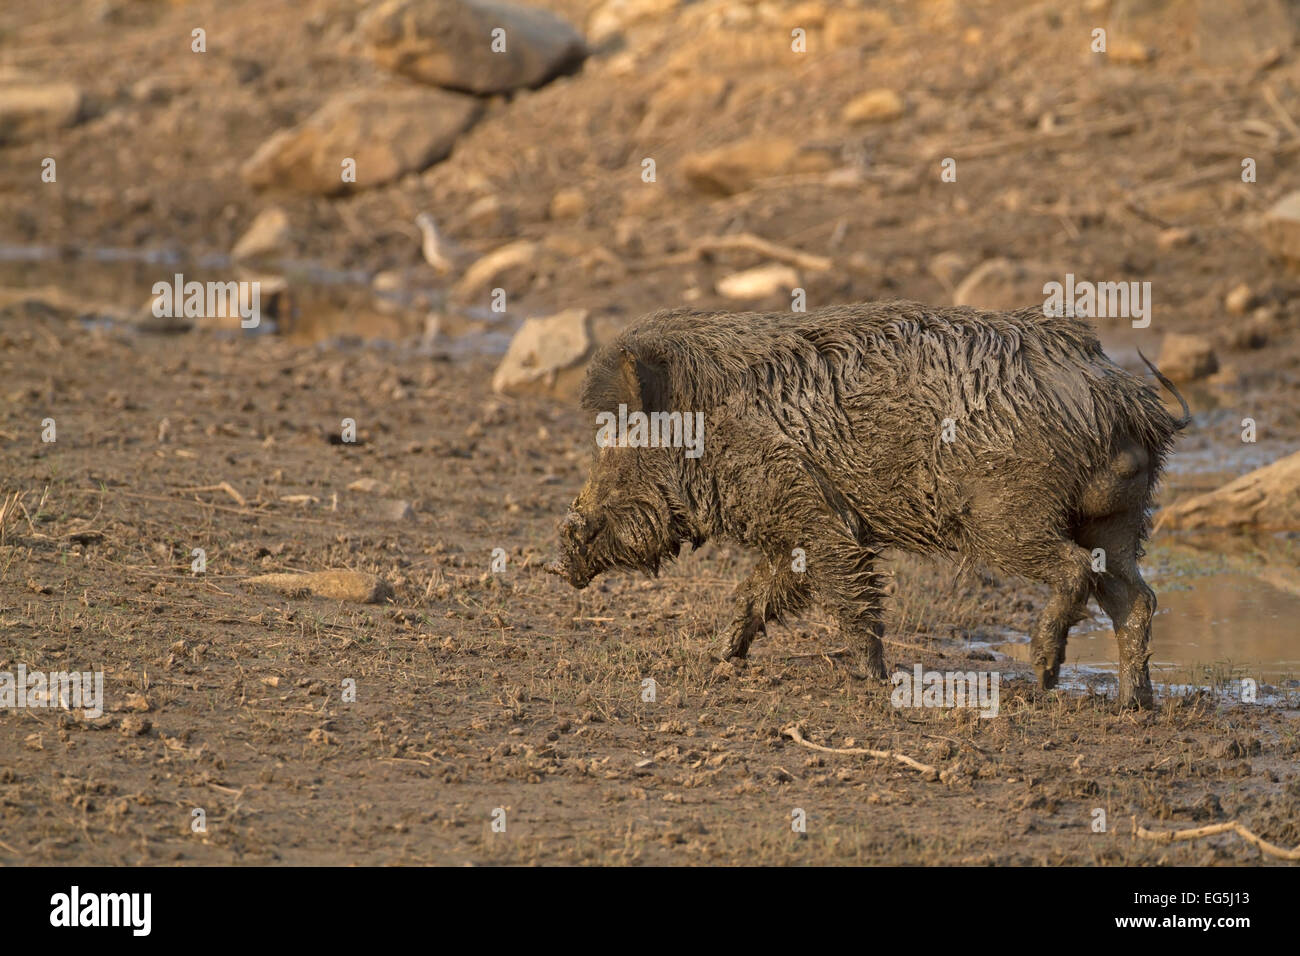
{"x":575,"y":578}
{"x":573,"y":524}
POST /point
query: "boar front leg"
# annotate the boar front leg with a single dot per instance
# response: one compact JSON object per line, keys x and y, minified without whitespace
{"x":849,"y":587}
{"x":772,"y":589}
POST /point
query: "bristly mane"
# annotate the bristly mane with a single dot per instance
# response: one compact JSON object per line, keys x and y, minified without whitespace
{"x":986,"y":367}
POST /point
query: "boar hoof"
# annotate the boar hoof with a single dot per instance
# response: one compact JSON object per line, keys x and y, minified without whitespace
{"x":870,"y":676}
{"x":1137,"y":696}
{"x":876,"y":670}
{"x":1047,"y":677}
{"x":742,"y":635}
{"x":737,"y":648}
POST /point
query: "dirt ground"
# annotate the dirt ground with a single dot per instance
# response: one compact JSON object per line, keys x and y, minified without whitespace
{"x":479,"y":690}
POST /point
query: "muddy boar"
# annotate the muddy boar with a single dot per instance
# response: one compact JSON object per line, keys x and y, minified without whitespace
{"x":1003,"y":439}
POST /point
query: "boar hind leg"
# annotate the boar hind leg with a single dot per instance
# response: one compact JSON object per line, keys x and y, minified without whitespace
{"x":770,"y":591}
{"x":1130,"y":604}
{"x":1116,"y":502}
{"x":1070,"y":578}
{"x":1125,"y":597}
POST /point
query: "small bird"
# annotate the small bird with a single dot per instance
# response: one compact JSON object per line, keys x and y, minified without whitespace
{"x":439,"y":251}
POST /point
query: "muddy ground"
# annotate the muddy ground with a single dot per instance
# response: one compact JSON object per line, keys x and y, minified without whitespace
{"x":478,"y":690}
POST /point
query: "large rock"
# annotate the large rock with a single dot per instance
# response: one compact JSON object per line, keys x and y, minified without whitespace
{"x":450,"y":43}
{"x":740,"y":165}
{"x":1266,"y":499}
{"x":30,"y":108}
{"x":1186,"y":358}
{"x":388,"y":130}
{"x":1280,"y":229}
{"x":546,"y":355}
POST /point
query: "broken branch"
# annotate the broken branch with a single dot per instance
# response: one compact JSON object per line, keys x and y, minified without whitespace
{"x":1214,"y":829}
{"x":930,"y":773}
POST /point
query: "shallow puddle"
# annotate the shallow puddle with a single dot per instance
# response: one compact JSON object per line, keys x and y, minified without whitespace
{"x":107,"y":287}
{"x":1229,"y":608}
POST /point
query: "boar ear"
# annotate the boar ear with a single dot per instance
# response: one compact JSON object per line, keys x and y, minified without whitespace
{"x":617,"y":376}
{"x":642,"y":385}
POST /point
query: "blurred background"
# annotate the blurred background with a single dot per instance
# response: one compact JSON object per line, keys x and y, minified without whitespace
{"x":820,"y":127}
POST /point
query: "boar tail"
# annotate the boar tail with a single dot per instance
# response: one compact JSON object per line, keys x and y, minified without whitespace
{"x":1181,"y":423}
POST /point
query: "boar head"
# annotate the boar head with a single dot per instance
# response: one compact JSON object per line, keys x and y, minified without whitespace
{"x":629,"y":513}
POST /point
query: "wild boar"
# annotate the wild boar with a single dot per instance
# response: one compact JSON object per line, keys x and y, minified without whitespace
{"x":1008,"y":440}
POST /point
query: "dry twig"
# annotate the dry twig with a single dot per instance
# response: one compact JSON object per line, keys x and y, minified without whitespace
{"x":930,"y":773}
{"x":1214,"y":829}
{"x":223,"y":486}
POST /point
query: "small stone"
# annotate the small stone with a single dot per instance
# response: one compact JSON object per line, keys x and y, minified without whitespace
{"x":510,"y":256}
{"x":1129,"y":50}
{"x":1281,"y":227}
{"x":1254,"y":332}
{"x":399,"y":511}
{"x":135,"y":726}
{"x":1239,"y":300}
{"x":1186,"y":358}
{"x":30,"y":107}
{"x":485,"y":213}
{"x":614,"y":16}
{"x":366,"y":485}
{"x":854,"y":28}
{"x":759,"y":282}
{"x":738,"y":166}
{"x":568,"y":204}
{"x":268,"y":235}
{"x":153,"y":90}
{"x":875,"y":106}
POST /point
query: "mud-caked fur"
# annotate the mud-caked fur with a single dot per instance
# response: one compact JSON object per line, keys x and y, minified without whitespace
{"x":1005,"y":439}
